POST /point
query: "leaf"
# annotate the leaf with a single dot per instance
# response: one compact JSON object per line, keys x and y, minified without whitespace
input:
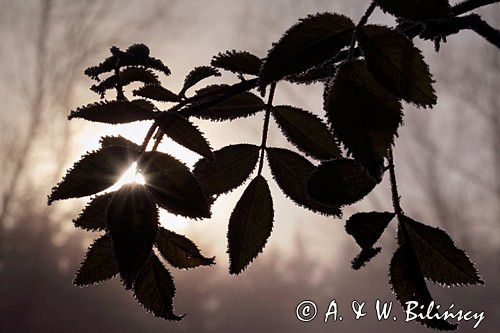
{"x":132,"y":220}
{"x":239,"y":62}
{"x":409,"y":285}
{"x":339,"y":182}
{"x":291,"y":172}
{"x":366,"y":228}
{"x":438,"y":258}
{"x":397,"y":64}
{"x":126,"y":76}
{"x":306,"y":131}
{"x":154,"y":289}
{"x":236,"y":106}
{"x":250,"y":225}
{"x":94,"y":173}
{"x":363,"y":115}
{"x":419,"y":10}
{"x":179,"y":251}
{"x":364,"y":257}
{"x":119,"y":140}
{"x":312,"y":41}
{"x":157,"y":93}
{"x":99,"y":263}
{"x":232,"y":166}
{"x":320,"y":73}
{"x":185,"y":133}
{"x":116,"y":112}
{"x":173,"y":186}
{"x":93,"y":216}
{"x":196,"y":75}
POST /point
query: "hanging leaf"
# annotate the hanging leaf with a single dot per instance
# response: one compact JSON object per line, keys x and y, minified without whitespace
{"x":157,"y":93}
{"x":93,"y":216}
{"x":94,"y":173}
{"x":116,"y":112}
{"x":239,"y":62}
{"x":185,"y":133}
{"x":126,"y":77}
{"x":397,"y":64}
{"x":250,"y":225}
{"x":310,"y":42}
{"x":409,"y":285}
{"x":196,"y":75}
{"x":364,"y":257}
{"x":438,"y":258}
{"x":119,"y":140}
{"x":99,"y":263}
{"x":180,"y":251}
{"x":132,"y":220}
{"x":237,"y":106}
{"x":320,"y":73}
{"x":363,"y":115}
{"x":291,"y":172}
{"x":366,"y":228}
{"x":155,"y":290}
{"x":173,"y":186}
{"x":339,"y":182}
{"x":232,"y":166}
{"x":306,"y":131}
{"x":419,"y":10}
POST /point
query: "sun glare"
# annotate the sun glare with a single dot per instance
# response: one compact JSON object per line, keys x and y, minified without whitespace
{"x":129,"y":176}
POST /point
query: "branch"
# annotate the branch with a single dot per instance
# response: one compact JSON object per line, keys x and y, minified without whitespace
{"x":394,"y":187}
{"x":469,"y":5}
{"x":265,"y":129}
{"x":482,"y":28}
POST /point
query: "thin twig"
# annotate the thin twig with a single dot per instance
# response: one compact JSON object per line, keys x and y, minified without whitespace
{"x":265,"y":128}
{"x":394,"y":187}
{"x":469,"y":5}
{"x":360,"y":24}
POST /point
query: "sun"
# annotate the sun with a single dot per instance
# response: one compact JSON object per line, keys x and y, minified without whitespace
{"x":129,"y":176}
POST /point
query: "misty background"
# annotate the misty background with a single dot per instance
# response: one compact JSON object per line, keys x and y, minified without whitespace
{"x":447,"y":159}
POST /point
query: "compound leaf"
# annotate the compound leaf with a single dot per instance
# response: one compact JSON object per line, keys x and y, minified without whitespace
{"x":173,"y":186}
{"x":312,"y":41}
{"x":94,"y":173}
{"x":180,"y":251}
{"x":397,"y":64}
{"x":239,"y":62}
{"x":250,"y":225}
{"x":155,"y":290}
{"x":116,"y":112}
{"x":99,"y":263}
{"x":185,"y":133}
{"x":306,"y":131}
{"x":126,"y":76}
{"x":93,"y":216}
{"x":232,"y":166}
{"x":291,"y":172}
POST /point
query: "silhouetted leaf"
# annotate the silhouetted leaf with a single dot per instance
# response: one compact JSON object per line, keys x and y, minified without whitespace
{"x":339,"y":182}
{"x":132,"y":220}
{"x":438,"y":258}
{"x":157,"y":93}
{"x":116,"y":112}
{"x":310,"y":42}
{"x":93,"y":216}
{"x":119,"y":140}
{"x":155,"y":290}
{"x":366,"y":228}
{"x":185,"y":133}
{"x":180,"y":251}
{"x":232,"y":166}
{"x":363,"y":115}
{"x":416,"y":9}
{"x":364,"y":257}
{"x":250,"y":225}
{"x":320,"y":73}
{"x":240,"y":105}
{"x":397,"y":64}
{"x":173,"y":186}
{"x":409,"y":285}
{"x":292,"y":171}
{"x":196,"y":75}
{"x":306,"y":131}
{"x":239,"y":62}
{"x":99,"y":263}
{"x":94,"y":173}
{"x":126,"y":76}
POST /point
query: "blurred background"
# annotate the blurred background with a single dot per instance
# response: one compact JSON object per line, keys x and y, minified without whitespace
{"x":448,"y":165}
